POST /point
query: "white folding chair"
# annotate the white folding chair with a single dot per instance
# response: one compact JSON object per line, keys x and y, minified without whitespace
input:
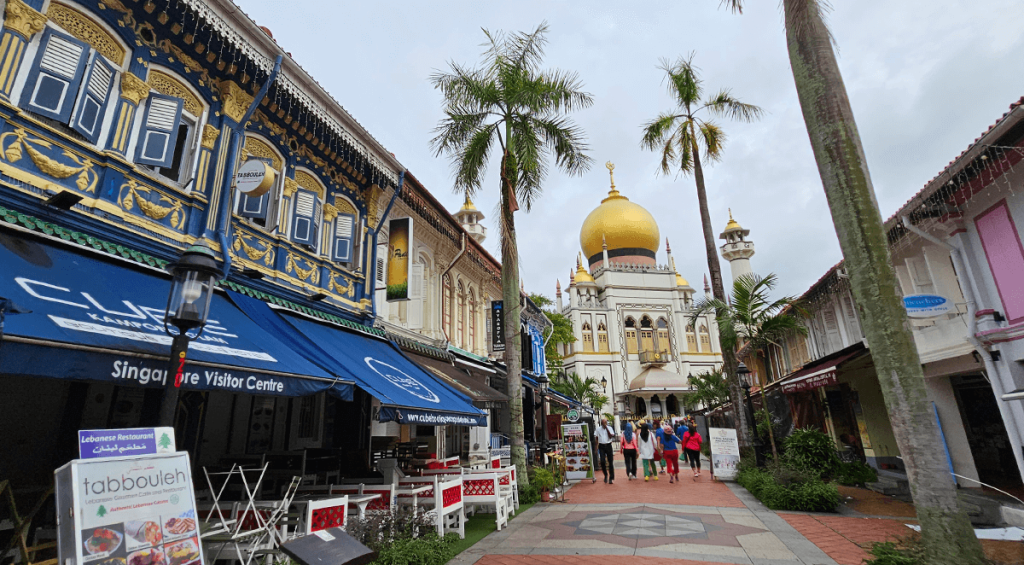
{"x":327,"y":513}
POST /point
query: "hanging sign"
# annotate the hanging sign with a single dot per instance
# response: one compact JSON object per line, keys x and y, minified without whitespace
{"x":254,"y":178}
{"x":127,"y":510}
{"x":399,"y":242}
{"x":93,"y":444}
{"x":927,"y":305}
{"x":579,"y":456}
{"x":497,"y":325}
{"x":725,"y":453}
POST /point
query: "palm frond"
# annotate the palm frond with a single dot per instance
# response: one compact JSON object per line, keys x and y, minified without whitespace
{"x":566,"y":142}
{"x":526,"y":50}
{"x":725,"y":104}
{"x":470,"y":161}
{"x":712,"y":139}
{"x":456,"y":130}
{"x":684,"y":139}
{"x":682,"y":80}
{"x":736,"y":6}
{"x":657,"y":129}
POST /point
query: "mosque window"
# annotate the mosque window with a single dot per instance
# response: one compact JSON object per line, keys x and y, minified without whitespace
{"x":588,"y":337}
{"x":663,"y":341}
{"x":691,"y":339}
{"x":631,"y":339}
{"x":646,"y":334}
{"x":70,"y":82}
{"x":602,"y":337}
{"x":705,"y":338}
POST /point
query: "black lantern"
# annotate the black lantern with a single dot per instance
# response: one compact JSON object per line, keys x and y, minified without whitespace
{"x":604,"y":384}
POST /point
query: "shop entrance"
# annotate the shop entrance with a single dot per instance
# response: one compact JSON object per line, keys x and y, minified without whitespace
{"x":986,"y":433}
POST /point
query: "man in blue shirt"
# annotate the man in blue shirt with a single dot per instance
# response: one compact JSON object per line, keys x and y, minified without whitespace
{"x":658,"y":431}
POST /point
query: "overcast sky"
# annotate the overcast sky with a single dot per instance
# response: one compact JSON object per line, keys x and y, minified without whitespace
{"x":925,"y":79}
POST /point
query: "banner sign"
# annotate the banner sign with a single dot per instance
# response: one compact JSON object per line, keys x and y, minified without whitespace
{"x":927,"y":305}
{"x":93,"y":444}
{"x":399,"y":243}
{"x":725,"y":453}
{"x":137,"y":510}
{"x":811,"y":382}
{"x":497,"y":325}
{"x":579,"y":456}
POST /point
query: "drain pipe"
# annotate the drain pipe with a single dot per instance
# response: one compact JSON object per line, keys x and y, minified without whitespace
{"x":441,"y":279}
{"x":373,"y":250}
{"x":972,"y":327}
{"x":237,"y":133}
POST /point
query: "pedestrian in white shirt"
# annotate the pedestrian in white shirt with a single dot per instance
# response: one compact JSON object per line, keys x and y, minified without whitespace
{"x":604,"y":434}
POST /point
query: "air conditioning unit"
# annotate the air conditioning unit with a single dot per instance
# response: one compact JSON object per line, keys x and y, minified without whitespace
{"x":654,"y":357}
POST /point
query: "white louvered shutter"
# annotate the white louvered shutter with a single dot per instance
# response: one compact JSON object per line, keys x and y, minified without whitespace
{"x":256,"y":207}
{"x":344,"y":228}
{"x":416,"y":296}
{"x":382,"y":253}
{"x":88,"y":116}
{"x":159,"y":131}
{"x":303,"y":220}
{"x":54,"y":79}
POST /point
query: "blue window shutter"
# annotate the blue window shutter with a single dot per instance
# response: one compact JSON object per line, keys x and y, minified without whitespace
{"x":55,"y":76}
{"x":258,"y":207}
{"x":91,"y":105}
{"x":304,"y":223}
{"x":344,"y":228}
{"x":159,"y":131}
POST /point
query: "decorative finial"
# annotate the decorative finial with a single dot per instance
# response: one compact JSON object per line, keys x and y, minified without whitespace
{"x":668,"y":248}
{"x":558,"y":287}
{"x":572,"y":277}
{"x":730,"y":213}
{"x":604,"y":243}
{"x":611,"y":172}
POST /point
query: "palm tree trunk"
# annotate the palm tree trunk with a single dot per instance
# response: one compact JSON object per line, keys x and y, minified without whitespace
{"x":511,"y":299}
{"x":743,"y":435}
{"x":946,"y":532}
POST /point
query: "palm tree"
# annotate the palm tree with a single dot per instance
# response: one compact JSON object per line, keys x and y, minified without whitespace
{"x":510,"y":102}
{"x":577,"y":388}
{"x":710,"y":390}
{"x":946,"y":531}
{"x":753,"y":319}
{"x":683,"y":136}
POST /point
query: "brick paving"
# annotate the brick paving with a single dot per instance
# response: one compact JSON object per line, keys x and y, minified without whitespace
{"x":700,"y":492}
{"x":834,"y":544}
{"x":581,"y":560}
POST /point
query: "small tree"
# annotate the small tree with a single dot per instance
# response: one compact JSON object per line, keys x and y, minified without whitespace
{"x":559,"y":334}
{"x":710,"y":390}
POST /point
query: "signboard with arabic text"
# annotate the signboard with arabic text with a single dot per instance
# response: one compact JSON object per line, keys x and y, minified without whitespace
{"x":93,"y":444}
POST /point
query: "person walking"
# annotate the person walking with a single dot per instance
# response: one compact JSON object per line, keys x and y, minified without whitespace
{"x":647,"y":444}
{"x":658,"y":431}
{"x":691,"y":445}
{"x":670,"y":451}
{"x":605,"y":435}
{"x":681,"y":429}
{"x":629,"y":450}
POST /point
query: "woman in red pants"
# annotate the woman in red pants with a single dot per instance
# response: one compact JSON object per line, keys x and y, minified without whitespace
{"x":670,"y":450}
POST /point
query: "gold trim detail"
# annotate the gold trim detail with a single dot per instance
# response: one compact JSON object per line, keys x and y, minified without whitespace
{"x":372,"y":204}
{"x":153,"y":210}
{"x":171,"y":86}
{"x":87,"y":177}
{"x":330,"y":212}
{"x":266,"y":254}
{"x":312,"y":274}
{"x":309,"y":182}
{"x":258,"y":148}
{"x":210,"y":135}
{"x":349,"y":291}
{"x":234,"y":100}
{"x":81,"y":26}
{"x":133,"y":88}
{"x":272,"y":126}
{"x":344,"y":206}
{"x":290,"y":186}
{"x":23,"y":19}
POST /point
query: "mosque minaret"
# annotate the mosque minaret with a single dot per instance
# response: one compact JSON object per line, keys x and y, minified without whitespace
{"x":737,"y":249}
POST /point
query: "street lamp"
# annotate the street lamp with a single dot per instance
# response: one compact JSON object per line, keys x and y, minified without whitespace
{"x":743,"y":372}
{"x":194,"y":275}
{"x":604,"y":384}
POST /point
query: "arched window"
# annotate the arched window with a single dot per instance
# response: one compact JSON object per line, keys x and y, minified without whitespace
{"x":631,"y":339}
{"x":646,"y":334}
{"x":263,"y":211}
{"x":588,"y":337}
{"x":461,"y":315}
{"x":663,"y":341}
{"x":602,"y":337}
{"x":641,"y":407}
{"x":471,"y":344}
{"x":672,"y":405}
{"x":656,"y":411}
{"x":446,"y":305}
{"x":705,"y":338}
{"x":691,"y":339}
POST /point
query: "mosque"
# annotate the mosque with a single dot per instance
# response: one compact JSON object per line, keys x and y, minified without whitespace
{"x":631,"y":316}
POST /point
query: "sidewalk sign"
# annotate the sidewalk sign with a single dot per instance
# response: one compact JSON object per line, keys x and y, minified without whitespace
{"x":124,"y":442}
{"x":127,"y":510}
{"x":579,"y":457}
{"x":725,"y":453}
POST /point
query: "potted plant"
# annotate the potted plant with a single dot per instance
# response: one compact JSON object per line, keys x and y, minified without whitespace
{"x":543,"y":480}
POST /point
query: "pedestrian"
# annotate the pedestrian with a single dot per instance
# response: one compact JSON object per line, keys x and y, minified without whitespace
{"x":629,"y":450}
{"x":660,"y":432}
{"x":670,"y":450}
{"x":691,"y":445}
{"x":647,"y":444}
{"x":605,"y":435}
{"x":680,"y":430}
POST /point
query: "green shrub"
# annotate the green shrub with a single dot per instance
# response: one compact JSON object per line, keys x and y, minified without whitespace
{"x":428,"y":549}
{"x":541,"y":478}
{"x":803,"y":491}
{"x":855,"y":473}
{"x":811,"y":450}
{"x":888,"y":553}
{"x":528,"y":494}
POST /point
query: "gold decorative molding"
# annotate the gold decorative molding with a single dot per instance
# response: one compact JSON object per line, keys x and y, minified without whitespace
{"x":258,"y":148}
{"x":133,"y":88}
{"x":311,"y":274}
{"x":234,"y":100}
{"x":81,"y":26}
{"x":210,"y":135}
{"x":266,"y":254}
{"x":265,"y":120}
{"x":348,"y":290}
{"x":330,"y":212}
{"x":171,"y":86}
{"x":290,"y":186}
{"x":23,"y":19}
{"x":132,"y":193}
{"x":309,"y":182}
{"x":344,"y":206}
{"x":372,"y":204}
{"x":12,"y":153}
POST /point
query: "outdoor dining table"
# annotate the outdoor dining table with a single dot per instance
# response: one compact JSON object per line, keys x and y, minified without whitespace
{"x":413,"y":491}
{"x":359,"y":500}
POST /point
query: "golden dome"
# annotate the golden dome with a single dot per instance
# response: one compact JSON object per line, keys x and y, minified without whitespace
{"x":582,"y":276}
{"x":623,"y":224}
{"x":468,"y":206}
{"x":680,"y":281}
{"x":733,"y":224}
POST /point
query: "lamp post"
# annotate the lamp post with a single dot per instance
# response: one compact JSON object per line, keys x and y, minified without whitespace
{"x":743,"y":372}
{"x":194,"y":275}
{"x":604,"y":384}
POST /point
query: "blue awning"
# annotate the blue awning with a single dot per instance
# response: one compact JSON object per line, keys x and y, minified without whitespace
{"x":407,"y":393}
{"x":99,"y":319}
{"x":562,"y":398}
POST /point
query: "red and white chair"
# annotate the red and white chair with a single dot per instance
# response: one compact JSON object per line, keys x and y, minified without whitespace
{"x":453,"y":461}
{"x":484,"y":489}
{"x":507,"y":484}
{"x":324,"y":514}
